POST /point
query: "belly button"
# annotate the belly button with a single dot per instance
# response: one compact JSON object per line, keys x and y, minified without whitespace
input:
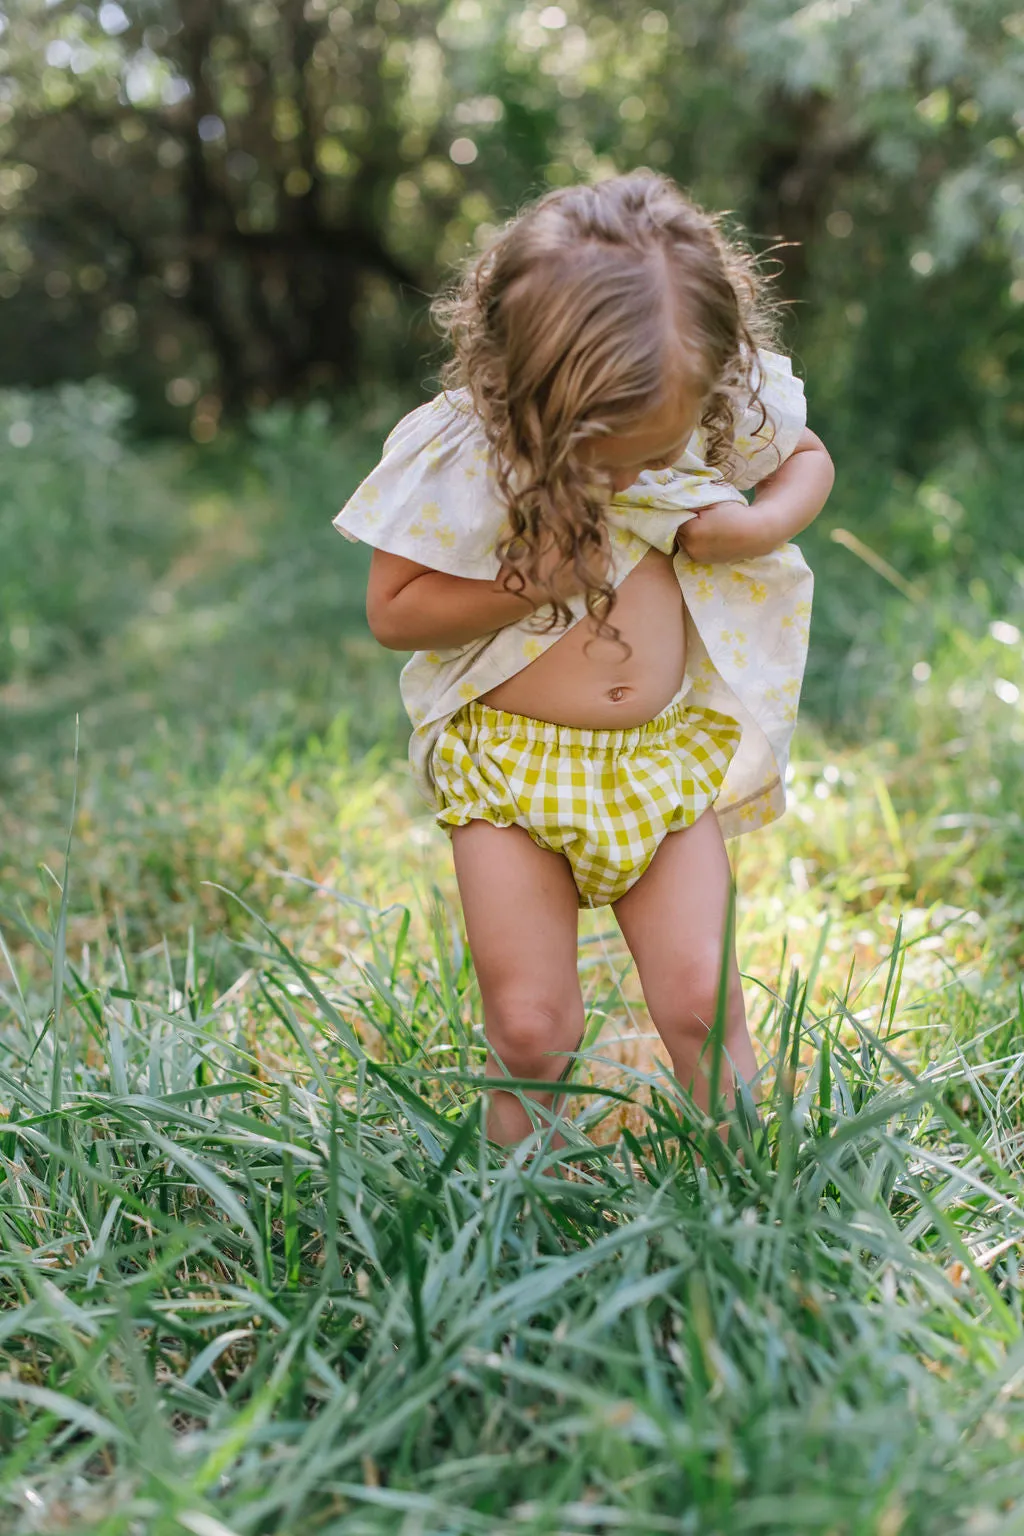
{"x":615,"y":694}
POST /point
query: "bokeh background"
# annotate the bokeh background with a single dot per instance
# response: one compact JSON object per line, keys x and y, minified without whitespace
{"x":233,"y":1300}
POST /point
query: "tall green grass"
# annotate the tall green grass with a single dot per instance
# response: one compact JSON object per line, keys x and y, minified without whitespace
{"x":261,"y":1277}
{"x":261,"y":1270}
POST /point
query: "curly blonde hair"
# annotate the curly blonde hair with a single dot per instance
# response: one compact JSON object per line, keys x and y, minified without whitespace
{"x":580,"y":317}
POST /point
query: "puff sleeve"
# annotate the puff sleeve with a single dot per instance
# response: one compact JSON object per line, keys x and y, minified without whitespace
{"x":432,"y":497}
{"x":760,"y":447}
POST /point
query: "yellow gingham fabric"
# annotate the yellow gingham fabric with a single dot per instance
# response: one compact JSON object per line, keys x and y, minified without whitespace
{"x":604,"y":798}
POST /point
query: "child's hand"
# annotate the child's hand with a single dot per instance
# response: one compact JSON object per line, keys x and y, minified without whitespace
{"x":785,"y":503}
{"x":727,"y":531}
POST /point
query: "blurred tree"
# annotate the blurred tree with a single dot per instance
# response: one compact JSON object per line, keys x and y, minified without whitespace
{"x":217,"y":169}
{"x":228,"y":202}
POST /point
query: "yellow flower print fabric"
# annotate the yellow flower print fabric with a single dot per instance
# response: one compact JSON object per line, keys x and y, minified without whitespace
{"x":433,"y":499}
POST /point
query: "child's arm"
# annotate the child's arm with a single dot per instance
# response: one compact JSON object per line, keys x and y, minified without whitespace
{"x":411,"y":607}
{"x":785,"y":503}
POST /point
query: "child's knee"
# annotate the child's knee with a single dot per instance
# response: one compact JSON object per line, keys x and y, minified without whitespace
{"x":690,"y":1000}
{"x":523,"y":1030}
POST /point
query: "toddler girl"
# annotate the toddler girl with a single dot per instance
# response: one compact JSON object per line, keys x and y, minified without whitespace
{"x":609,"y":637}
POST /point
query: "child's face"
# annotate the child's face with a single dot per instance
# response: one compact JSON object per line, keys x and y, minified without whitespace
{"x":655,"y":442}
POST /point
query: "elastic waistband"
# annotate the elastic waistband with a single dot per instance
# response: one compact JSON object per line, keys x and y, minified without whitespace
{"x":500,"y":722}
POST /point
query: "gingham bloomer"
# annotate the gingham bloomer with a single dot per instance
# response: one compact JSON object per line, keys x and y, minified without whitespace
{"x":433,"y":499}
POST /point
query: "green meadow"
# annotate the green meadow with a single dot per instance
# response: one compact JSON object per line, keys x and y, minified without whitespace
{"x":261,"y":1270}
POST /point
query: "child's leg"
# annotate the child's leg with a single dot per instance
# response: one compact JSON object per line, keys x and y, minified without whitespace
{"x":522,"y":921}
{"x":674,"y":920}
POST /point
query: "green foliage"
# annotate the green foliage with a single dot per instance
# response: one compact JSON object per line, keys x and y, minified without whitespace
{"x":74,"y":508}
{"x":229,"y":205}
{"x":119,"y":567}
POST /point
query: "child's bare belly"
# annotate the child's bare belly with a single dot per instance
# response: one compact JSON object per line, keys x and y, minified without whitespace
{"x":602,"y":687}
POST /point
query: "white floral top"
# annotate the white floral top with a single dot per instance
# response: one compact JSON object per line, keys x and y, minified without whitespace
{"x":433,"y":499}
